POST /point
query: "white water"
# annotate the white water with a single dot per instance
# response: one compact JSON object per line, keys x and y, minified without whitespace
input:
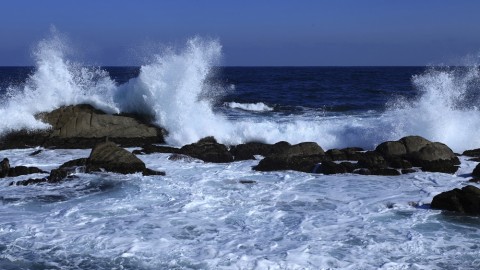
{"x":255,"y":107}
{"x":174,"y":88}
{"x":199,"y":216}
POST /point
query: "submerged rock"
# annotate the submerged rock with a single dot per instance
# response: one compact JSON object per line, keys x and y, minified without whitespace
{"x":465,"y":200}
{"x":82,"y":126}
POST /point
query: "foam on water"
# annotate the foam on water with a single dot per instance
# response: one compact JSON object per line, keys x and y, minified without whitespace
{"x":255,"y":107}
{"x":199,"y":216}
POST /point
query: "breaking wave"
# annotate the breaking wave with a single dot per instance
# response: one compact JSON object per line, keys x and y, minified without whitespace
{"x":175,"y":89}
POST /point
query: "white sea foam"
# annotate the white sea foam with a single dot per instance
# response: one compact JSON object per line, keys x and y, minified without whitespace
{"x":55,"y":82}
{"x":200,"y":216}
{"x":255,"y":107}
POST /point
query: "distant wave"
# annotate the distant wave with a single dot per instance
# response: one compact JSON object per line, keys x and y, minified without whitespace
{"x":254,"y":107}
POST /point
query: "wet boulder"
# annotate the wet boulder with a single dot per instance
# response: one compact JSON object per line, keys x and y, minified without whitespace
{"x":414,"y":143}
{"x":208,"y":150}
{"x":109,"y":157}
{"x":465,"y":200}
{"x":435,"y":157}
{"x":83,"y":126}
{"x":299,"y":157}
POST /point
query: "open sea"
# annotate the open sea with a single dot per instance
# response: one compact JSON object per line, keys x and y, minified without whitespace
{"x":200,"y":215}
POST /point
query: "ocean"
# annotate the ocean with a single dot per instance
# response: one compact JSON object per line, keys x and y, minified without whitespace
{"x":200,"y":215}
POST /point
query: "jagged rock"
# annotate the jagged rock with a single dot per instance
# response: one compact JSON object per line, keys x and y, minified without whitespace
{"x":150,"y":149}
{"x":465,"y":200}
{"x":82,"y":126}
{"x":209,"y":150}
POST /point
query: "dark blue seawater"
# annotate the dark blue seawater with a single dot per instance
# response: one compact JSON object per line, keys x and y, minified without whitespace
{"x":288,"y":89}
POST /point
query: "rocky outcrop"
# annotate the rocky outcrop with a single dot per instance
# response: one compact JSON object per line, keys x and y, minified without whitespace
{"x":82,"y":126}
{"x":208,"y":150}
{"x":299,"y":157}
{"x":419,"y":152}
{"x":465,"y":200}
{"x":109,"y":157}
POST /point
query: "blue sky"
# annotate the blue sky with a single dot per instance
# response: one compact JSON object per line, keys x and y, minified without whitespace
{"x":252,"y":32}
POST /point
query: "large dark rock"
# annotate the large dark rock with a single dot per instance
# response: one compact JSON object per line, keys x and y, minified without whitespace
{"x":299,"y":157}
{"x":420,"y":152}
{"x":209,"y":150}
{"x":109,"y":157}
{"x":350,"y":153}
{"x":435,"y":157}
{"x":465,"y":200}
{"x":82,"y":126}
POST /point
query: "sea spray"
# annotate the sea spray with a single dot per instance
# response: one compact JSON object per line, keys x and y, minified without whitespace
{"x":174,"y":89}
{"x":446,"y":109}
{"x":55,"y":82}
